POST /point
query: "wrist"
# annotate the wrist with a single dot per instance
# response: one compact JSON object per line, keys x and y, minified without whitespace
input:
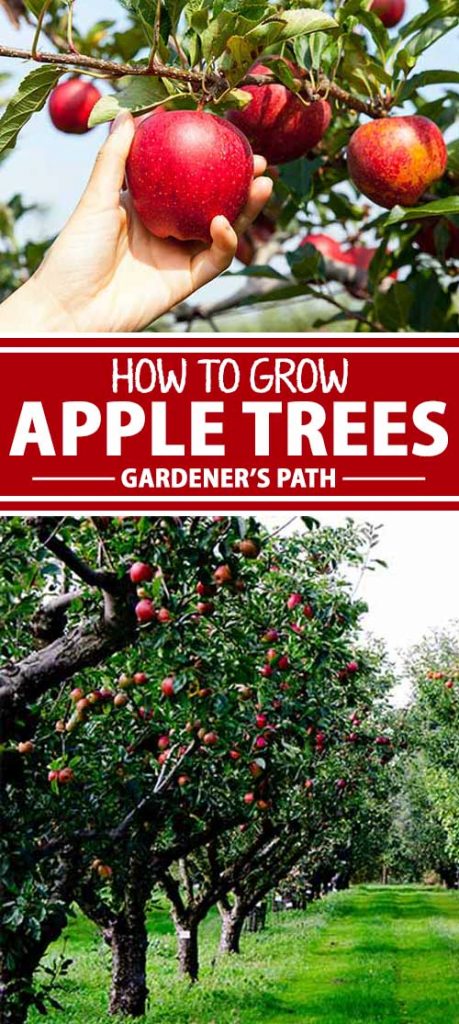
{"x":33,"y":309}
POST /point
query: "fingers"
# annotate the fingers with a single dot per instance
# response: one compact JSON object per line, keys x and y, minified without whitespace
{"x":107,"y":177}
{"x":207,"y":265}
{"x":259,"y":165}
{"x":259,"y":194}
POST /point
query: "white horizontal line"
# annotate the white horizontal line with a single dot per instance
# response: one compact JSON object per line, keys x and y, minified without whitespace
{"x":73,"y":478}
{"x":253,"y":350}
{"x":110,"y":498}
{"x":344,"y":478}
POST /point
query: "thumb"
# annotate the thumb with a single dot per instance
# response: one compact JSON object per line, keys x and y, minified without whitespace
{"x":108,"y":174}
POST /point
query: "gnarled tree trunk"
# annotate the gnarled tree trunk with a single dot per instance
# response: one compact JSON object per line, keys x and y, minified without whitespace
{"x":233,"y":918}
{"x":128,"y":943}
{"x":188,"y":948}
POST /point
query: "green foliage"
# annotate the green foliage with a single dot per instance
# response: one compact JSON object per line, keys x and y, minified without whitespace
{"x":30,"y":97}
{"x":342,"y":44}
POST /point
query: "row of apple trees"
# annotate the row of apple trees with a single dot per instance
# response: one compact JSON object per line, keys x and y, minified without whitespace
{"x":188,"y":709}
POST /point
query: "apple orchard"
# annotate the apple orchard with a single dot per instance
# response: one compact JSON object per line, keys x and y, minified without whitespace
{"x":188,"y":709}
{"x":362,"y":228}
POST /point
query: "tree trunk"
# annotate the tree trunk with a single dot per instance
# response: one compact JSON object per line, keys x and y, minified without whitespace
{"x":128,"y":942}
{"x":232,"y":924}
{"x":188,"y":950}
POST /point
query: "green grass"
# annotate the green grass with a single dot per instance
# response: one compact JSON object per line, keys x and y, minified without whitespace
{"x":373,"y":955}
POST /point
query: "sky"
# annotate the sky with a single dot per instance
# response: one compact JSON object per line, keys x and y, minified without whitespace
{"x":51,"y":169}
{"x":419,"y":589}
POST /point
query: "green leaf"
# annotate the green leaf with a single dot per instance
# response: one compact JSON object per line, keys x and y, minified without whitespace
{"x":437,"y":208}
{"x":174,"y":9}
{"x":453,"y":158}
{"x":422,"y":40}
{"x":304,"y":21}
{"x":307,"y":263}
{"x":392,"y":308}
{"x":30,"y":98}
{"x":256,"y":271}
{"x":427,"y":78}
{"x":136,"y":95}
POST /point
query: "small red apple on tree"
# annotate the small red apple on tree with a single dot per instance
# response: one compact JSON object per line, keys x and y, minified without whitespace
{"x":389,"y":11}
{"x":140,"y":572}
{"x":168,"y":687}
{"x":395,"y":159}
{"x":277,"y":123}
{"x":145,"y":610}
{"x":71,"y":104}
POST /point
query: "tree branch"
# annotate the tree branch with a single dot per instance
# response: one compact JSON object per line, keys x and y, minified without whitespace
{"x":215,"y":84}
{"x":107,"y":581}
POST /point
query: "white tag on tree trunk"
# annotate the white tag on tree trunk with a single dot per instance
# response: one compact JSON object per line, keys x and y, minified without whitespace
{"x":184,"y":933}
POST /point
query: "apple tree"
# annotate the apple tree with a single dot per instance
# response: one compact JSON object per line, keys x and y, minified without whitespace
{"x":434,"y":670}
{"x":335,"y":100}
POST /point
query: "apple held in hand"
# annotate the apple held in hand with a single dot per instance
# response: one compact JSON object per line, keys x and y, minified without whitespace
{"x":71,"y":104}
{"x":395,"y":159}
{"x":389,"y":11}
{"x":279,"y":125}
{"x":186,"y":167}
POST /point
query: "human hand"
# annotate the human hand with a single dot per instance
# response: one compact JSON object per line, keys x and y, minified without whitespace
{"x":106,"y":272}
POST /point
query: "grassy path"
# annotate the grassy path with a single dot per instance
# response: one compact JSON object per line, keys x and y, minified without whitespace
{"x":370,"y":956}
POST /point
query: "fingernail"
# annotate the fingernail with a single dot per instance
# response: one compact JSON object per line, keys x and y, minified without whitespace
{"x":120,"y":119}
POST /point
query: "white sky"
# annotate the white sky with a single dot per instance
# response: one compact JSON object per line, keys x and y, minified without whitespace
{"x":419,"y":589}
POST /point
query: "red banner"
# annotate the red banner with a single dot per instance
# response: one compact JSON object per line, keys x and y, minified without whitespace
{"x":220,"y":423}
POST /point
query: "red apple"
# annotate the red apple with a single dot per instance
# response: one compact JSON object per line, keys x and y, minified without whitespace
{"x":235,"y":755}
{"x":293,"y":600}
{"x":308,"y":611}
{"x":120,"y":700}
{"x":389,"y":11}
{"x":271,"y":636}
{"x":163,"y":742}
{"x":140,"y":678}
{"x":278,"y":124}
{"x":65,"y":776}
{"x":186,"y":167}
{"x":249,"y":798}
{"x":261,"y":720}
{"x":168,"y":686}
{"x":76,"y":694}
{"x":205,"y":607}
{"x":266,"y":671}
{"x":70,"y":105}
{"x":394,"y":160}
{"x":341,"y":783}
{"x":223,"y":574}
{"x":283,"y":663}
{"x":140,"y":572}
{"x":249,"y":547}
{"x":145,"y":610}
{"x":210,"y":739}
{"x":164,"y":615}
